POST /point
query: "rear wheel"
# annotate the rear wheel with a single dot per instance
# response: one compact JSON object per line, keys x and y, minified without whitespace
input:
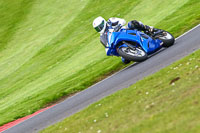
{"x":135,"y":54}
{"x":167,"y":38}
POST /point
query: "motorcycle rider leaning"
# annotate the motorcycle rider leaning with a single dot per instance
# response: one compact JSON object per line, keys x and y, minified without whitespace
{"x":102,"y":26}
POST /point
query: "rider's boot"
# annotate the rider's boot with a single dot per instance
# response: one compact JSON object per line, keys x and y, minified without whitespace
{"x":151,"y":29}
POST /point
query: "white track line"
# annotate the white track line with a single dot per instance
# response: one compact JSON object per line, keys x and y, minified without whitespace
{"x":187,"y":31}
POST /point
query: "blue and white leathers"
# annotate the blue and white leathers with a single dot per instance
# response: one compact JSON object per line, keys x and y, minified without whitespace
{"x":141,"y":39}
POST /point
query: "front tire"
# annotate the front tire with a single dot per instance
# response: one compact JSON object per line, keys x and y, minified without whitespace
{"x":137,"y":55}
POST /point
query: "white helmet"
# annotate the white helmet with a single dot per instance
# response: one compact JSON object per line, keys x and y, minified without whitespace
{"x":99,"y":24}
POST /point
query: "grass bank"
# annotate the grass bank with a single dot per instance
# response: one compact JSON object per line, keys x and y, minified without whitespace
{"x":48,"y":49}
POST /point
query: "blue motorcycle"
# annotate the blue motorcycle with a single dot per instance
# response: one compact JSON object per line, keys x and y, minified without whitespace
{"x":134,"y":45}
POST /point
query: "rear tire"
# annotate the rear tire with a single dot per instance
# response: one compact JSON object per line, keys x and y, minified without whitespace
{"x":137,"y":55}
{"x":168,"y":39}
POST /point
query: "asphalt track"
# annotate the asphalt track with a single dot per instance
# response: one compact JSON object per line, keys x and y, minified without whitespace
{"x":184,"y":45}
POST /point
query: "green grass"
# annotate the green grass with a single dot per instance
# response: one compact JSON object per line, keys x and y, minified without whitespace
{"x":48,"y":49}
{"x":165,"y":102}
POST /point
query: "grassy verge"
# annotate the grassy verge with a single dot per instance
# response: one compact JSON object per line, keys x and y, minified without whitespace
{"x":49,"y":49}
{"x":167,"y":101}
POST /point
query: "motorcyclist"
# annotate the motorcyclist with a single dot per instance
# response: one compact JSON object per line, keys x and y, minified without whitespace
{"x":102,"y":26}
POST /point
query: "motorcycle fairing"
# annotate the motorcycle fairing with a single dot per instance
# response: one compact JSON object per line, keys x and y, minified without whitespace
{"x":148,"y":44}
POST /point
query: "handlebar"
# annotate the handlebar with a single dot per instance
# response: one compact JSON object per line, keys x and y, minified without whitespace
{"x":117,"y":28}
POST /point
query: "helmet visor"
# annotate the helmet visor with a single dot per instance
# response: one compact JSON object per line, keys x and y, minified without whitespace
{"x":100,"y":27}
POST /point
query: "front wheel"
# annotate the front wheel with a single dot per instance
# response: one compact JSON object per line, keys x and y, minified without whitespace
{"x":135,"y":54}
{"x":167,"y":38}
